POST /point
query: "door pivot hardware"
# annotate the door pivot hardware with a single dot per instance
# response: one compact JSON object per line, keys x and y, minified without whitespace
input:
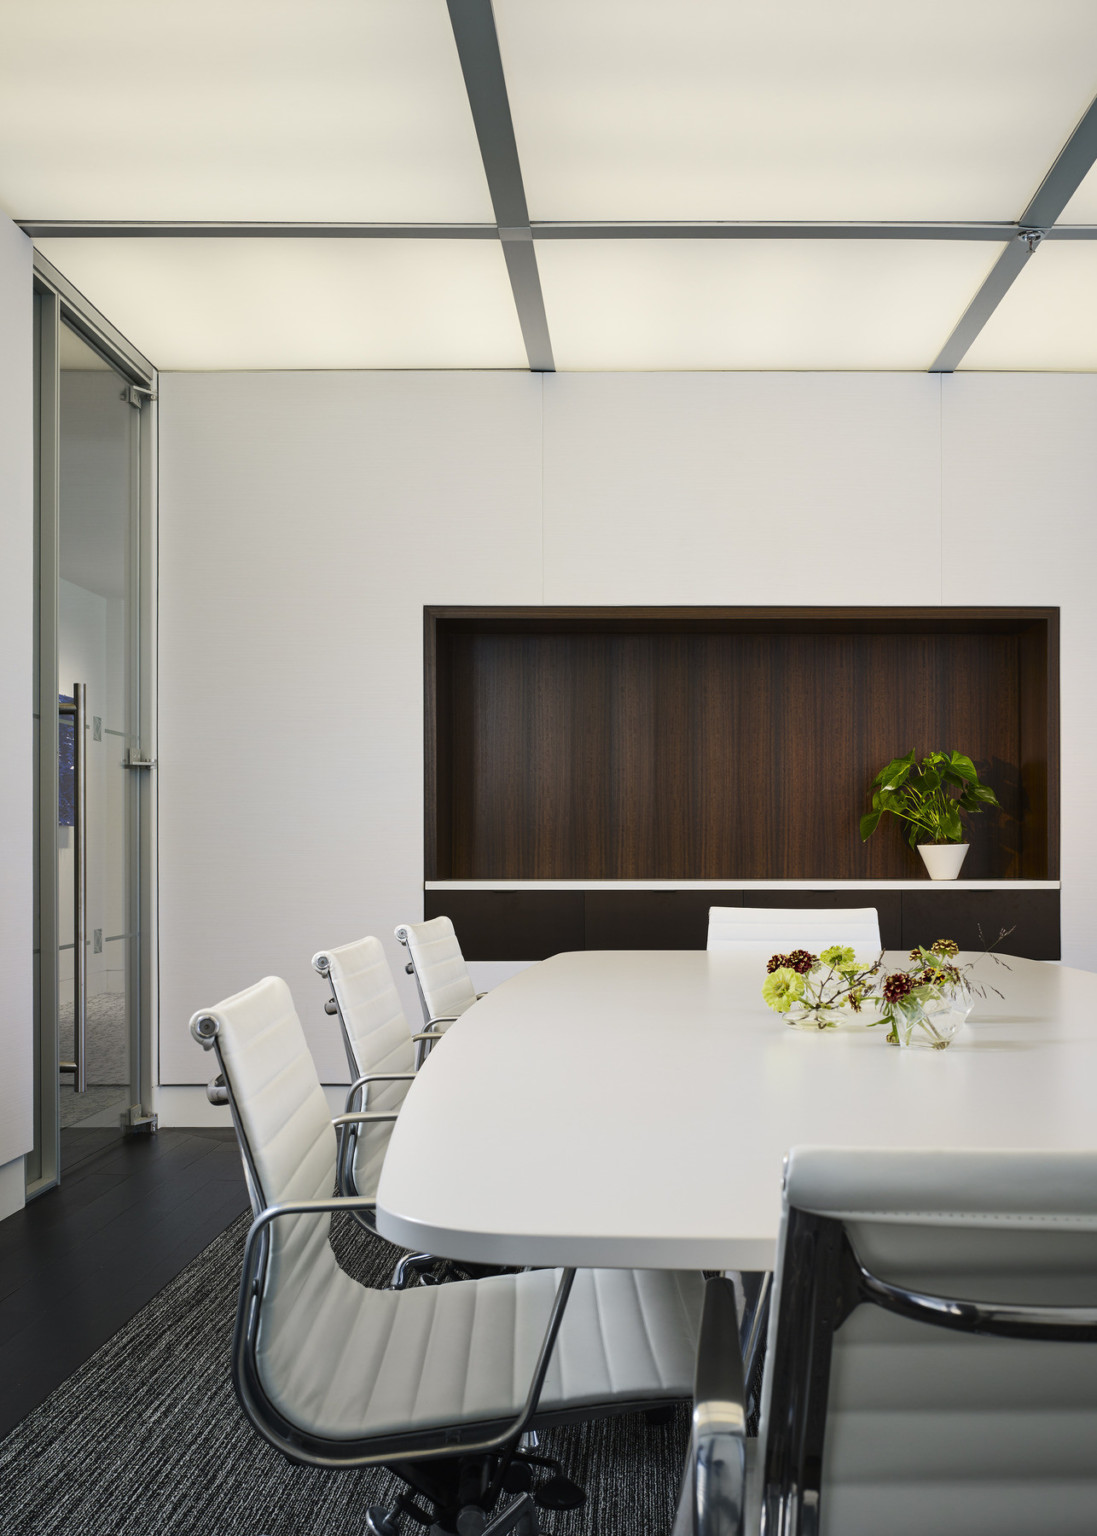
{"x":129,"y":761}
{"x":136,"y":395}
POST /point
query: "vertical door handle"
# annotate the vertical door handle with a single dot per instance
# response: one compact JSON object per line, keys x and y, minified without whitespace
{"x":79,"y":1064}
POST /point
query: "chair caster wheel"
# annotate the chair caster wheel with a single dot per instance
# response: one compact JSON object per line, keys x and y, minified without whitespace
{"x":518,"y":1478}
{"x":471,"y":1520}
{"x":381,"y":1522}
{"x":560,"y":1493}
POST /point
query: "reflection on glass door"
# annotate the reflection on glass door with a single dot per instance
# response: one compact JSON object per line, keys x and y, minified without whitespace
{"x":95,"y":644}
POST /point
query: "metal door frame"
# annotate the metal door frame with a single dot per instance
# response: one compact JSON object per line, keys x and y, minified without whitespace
{"x":56,"y":302}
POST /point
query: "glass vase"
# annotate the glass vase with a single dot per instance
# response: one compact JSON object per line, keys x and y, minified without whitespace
{"x":933,"y":1023}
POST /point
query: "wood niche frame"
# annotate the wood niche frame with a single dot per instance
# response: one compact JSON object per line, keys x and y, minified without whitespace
{"x":584,"y":743}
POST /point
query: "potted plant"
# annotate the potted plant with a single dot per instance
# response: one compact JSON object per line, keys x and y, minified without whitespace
{"x":930,"y":796}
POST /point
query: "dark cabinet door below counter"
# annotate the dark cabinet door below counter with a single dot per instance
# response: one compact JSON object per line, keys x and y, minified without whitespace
{"x":511,"y":925}
{"x":976,"y":918}
{"x":531,"y":925}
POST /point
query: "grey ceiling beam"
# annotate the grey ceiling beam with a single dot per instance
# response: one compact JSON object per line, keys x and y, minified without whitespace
{"x":698,"y":229}
{"x":1072,"y":165}
{"x":217,"y":229}
{"x":478,"y":50}
{"x":787,"y":229}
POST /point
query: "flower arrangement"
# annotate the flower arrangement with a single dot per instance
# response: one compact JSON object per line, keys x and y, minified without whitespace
{"x":933,"y":995}
{"x":923,"y":1003}
{"x":818,"y":987}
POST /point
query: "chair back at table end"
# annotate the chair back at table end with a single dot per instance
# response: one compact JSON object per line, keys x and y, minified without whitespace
{"x":932,"y":1354}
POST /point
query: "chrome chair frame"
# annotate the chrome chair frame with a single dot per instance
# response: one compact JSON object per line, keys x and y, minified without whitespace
{"x":823,"y":1282}
{"x":714,"y":1489}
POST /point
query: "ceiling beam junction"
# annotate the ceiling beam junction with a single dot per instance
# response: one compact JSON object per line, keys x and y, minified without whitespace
{"x":1072,"y":165}
{"x":482,"y":66}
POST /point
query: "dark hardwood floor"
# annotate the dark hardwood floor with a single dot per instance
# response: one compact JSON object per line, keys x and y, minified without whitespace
{"x":80,"y":1261}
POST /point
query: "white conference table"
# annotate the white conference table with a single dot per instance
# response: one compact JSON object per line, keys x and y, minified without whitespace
{"x":633,"y":1108}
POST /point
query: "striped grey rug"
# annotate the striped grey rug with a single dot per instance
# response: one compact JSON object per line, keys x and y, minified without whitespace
{"x":147,"y":1439}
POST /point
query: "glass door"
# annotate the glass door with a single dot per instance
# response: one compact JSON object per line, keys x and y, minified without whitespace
{"x":91,"y":1066}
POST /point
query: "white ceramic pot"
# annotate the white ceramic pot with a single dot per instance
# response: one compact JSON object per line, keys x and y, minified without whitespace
{"x":943,"y":860}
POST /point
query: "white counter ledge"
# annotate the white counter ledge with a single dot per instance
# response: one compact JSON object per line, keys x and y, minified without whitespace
{"x":922,"y":883}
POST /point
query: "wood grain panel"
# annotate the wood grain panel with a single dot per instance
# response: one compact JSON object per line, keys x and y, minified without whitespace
{"x":610,"y":747}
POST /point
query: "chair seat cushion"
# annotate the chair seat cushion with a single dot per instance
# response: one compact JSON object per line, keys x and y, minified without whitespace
{"x":344,"y":1362}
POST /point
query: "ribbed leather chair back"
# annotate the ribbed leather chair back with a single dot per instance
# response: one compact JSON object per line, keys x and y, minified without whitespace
{"x":376,"y":1036}
{"x":933,"y":1430}
{"x":754,"y":929}
{"x":440,"y":968}
{"x":284,"y":1120}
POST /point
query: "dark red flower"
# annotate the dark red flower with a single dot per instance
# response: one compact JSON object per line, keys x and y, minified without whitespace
{"x":801,"y":961}
{"x":775,"y":963}
{"x":897,"y":986}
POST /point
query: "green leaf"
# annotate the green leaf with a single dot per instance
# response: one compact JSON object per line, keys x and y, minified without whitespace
{"x":896,"y":771}
{"x":984,"y":793}
{"x":869,"y":822}
{"x":964,"y":767}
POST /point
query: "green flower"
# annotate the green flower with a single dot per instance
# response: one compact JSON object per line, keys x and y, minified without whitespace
{"x":782,"y":988}
{"x":839,"y":957}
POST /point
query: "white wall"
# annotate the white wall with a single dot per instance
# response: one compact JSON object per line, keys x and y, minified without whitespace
{"x":306,"y":518}
{"x":16,"y":710}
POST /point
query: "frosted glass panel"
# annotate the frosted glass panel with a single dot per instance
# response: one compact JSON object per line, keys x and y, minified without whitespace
{"x":1048,"y":319}
{"x":254,"y":109}
{"x":756,"y":304}
{"x":239,"y":304}
{"x":792,"y":109}
{"x":93,"y":639}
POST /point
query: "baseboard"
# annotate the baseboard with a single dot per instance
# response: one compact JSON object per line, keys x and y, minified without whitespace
{"x":13,"y":1187}
{"x":187,"y":1108}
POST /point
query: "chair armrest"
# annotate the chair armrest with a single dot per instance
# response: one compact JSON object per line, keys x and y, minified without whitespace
{"x":375,"y":1077}
{"x":344,"y":1164}
{"x":719,"y":1417}
{"x":426,"y":1039}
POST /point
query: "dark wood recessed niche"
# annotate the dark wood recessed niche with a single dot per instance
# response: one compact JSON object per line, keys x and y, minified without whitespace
{"x":727,"y":743}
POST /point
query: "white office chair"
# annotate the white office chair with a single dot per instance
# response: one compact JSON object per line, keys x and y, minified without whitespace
{"x":757,"y":929}
{"x":435,"y":1382}
{"x":932,"y":1358}
{"x":381,"y":1055}
{"x":441,"y":976}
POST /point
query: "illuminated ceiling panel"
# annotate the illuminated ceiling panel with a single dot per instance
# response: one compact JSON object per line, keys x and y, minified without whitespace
{"x":1048,"y":319}
{"x":351,"y":110}
{"x":756,"y":304}
{"x":251,"y":304}
{"x":792,"y":109}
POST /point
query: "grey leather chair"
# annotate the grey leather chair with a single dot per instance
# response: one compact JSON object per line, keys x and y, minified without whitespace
{"x":758,"y":929}
{"x":441,"y":976}
{"x":932,"y":1356}
{"x":427,"y":1381}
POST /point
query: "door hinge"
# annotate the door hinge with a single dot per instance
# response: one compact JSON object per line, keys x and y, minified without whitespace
{"x":129,"y":761}
{"x":137,"y":394}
